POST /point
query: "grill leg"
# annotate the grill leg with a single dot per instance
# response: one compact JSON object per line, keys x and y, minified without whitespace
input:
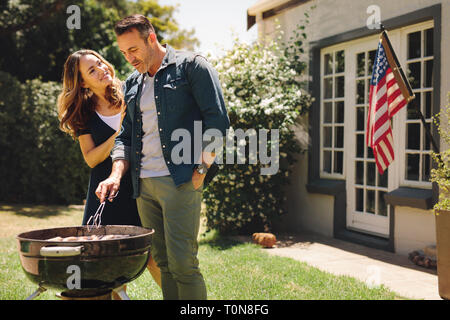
{"x":121,"y":293}
{"x":36,"y":293}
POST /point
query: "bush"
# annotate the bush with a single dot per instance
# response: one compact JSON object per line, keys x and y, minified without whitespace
{"x":261,"y":91}
{"x":39,"y":163}
{"x":441,"y":174}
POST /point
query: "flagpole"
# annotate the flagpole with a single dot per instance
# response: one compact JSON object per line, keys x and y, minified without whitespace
{"x":408,"y":86}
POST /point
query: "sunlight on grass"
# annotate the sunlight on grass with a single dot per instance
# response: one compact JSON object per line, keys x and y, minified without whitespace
{"x":20,"y":218}
{"x":232,"y":270}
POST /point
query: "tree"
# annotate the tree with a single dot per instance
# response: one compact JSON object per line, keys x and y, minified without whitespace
{"x":36,"y":41}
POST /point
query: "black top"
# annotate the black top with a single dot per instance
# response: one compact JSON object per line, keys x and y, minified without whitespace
{"x":122,"y":210}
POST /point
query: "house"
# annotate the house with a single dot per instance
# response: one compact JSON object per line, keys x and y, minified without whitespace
{"x":336,"y":190}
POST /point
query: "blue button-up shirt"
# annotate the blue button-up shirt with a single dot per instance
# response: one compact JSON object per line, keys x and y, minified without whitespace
{"x":187,"y":89}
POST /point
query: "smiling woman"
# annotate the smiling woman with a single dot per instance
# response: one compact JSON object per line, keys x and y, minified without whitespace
{"x":89,"y":83}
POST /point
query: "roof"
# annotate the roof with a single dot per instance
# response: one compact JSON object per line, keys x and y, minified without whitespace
{"x":269,"y":8}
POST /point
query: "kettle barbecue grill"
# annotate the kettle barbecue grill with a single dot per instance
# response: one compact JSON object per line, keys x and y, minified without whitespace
{"x":103,"y":265}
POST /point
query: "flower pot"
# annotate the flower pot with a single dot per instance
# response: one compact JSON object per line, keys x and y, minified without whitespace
{"x":443,"y":252}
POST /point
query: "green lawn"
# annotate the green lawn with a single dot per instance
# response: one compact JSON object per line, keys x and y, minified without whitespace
{"x":232,"y":270}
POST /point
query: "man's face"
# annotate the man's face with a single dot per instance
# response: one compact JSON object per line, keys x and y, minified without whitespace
{"x":139,"y":53}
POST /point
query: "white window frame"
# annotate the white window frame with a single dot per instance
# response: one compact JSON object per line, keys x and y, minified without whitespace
{"x":332,"y":50}
{"x":401,"y":117}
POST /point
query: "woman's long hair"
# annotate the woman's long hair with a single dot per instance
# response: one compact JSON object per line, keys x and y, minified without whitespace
{"x":77,"y":104}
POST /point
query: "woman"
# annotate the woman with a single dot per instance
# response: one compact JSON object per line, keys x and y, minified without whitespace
{"x":91,"y":108}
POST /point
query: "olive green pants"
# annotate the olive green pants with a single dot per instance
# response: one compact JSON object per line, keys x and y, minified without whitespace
{"x":174,"y":214}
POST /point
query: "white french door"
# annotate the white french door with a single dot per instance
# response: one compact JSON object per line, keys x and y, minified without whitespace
{"x":366,"y":209}
{"x":346,"y":71}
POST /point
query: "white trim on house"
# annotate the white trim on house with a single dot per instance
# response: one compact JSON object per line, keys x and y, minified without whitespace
{"x":264,"y":5}
{"x":366,"y":210}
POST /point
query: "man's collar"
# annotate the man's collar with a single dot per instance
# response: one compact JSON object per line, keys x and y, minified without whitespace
{"x":168,"y":59}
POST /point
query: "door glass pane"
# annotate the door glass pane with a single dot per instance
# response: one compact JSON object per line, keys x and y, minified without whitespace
{"x":328,"y":88}
{"x":360,"y":91}
{"x":367,"y":90}
{"x":361,"y":64}
{"x":429,"y":42}
{"x":428,"y":103}
{"x":412,"y":166}
{"x":426,"y":165}
{"x":371,"y":173}
{"x":414,"y":45}
{"x":327,"y":136}
{"x":328,"y":112}
{"x":340,"y":61}
{"x":382,"y":207}
{"x":383,"y":179}
{"x":371,"y":62}
{"x":428,"y":74}
{"x":360,"y":143}
{"x":360,"y":118}
{"x":328,"y":64}
{"x":370,"y":153}
{"x":339,"y":112}
{"x":339,"y":137}
{"x":413,"y":106}
{"x":426,"y":139}
{"x":360,"y":200}
{"x":413,"y":136}
{"x":359,"y":176}
{"x":338,"y":161}
{"x":414,"y":74}
{"x":370,"y":201}
{"x":327,"y":161}
{"x":340,"y":87}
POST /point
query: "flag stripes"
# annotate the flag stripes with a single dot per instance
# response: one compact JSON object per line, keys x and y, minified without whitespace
{"x":388,"y":94}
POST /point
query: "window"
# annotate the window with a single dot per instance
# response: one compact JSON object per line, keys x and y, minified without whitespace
{"x":419,"y":70}
{"x":332,"y":114}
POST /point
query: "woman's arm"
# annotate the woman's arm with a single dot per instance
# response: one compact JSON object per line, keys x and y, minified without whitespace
{"x":93,"y":155}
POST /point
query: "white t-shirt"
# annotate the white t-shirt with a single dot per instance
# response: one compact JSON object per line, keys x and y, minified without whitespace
{"x":112,"y":121}
{"x":152,"y":161}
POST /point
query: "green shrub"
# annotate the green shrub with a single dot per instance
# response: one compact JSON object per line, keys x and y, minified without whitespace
{"x":38,"y":163}
{"x":261,"y":91}
{"x":441,"y":174}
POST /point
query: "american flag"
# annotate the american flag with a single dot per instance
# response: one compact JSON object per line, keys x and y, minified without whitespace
{"x":389,"y":92}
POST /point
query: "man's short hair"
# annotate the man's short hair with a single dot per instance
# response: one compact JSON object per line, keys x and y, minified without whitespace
{"x":135,"y":21}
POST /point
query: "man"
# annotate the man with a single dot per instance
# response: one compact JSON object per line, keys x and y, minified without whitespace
{"x":169,"y":90}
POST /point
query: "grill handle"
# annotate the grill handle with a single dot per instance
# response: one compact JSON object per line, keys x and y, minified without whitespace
{"x":61,"y":251}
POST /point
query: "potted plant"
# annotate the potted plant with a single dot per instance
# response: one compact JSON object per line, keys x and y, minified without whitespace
{"x":441,"y":175}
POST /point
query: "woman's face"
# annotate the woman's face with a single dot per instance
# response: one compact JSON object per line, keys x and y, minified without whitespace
{"x":96,"y":75}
